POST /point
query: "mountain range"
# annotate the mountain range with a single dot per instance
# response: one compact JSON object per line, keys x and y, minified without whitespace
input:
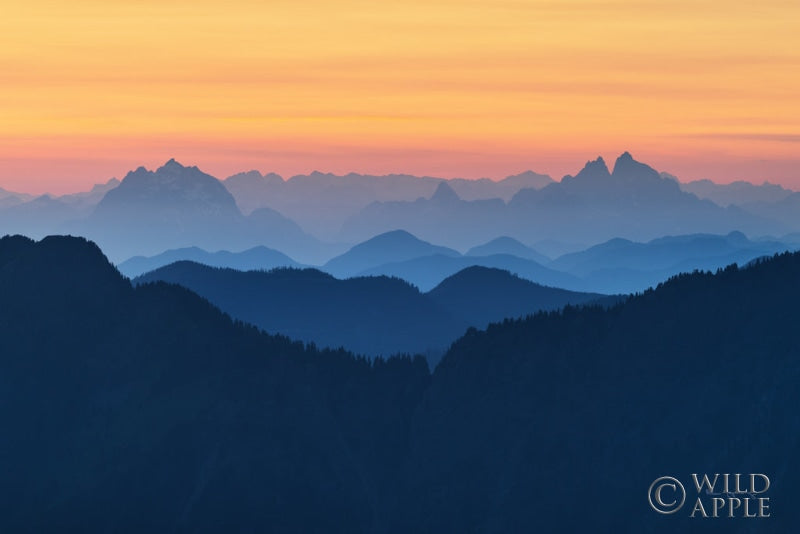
{"x":253,"y":259}
{"x":174,"y":206}
{"x":613,"y":267}
{"x":510,"y":246}
{"x":738,"y":193}
{"x":623,"y":266}
{"x":321,"y":202}
{"x":393,"y":246}
{"x":373,"y":316}
{"x":633,"y":202}
{"x":145,"y":408}
{"x":37,"y":216}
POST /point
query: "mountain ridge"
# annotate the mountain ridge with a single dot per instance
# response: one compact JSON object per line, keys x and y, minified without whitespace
{"x":147,"y":398}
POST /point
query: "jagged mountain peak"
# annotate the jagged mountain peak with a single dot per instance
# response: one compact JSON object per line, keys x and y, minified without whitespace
{"x":444,"y":193}
{"x":172,"y":163}
{"x":627,"y":166}
{"x":170,"y":189}
{"x":593,"y":170}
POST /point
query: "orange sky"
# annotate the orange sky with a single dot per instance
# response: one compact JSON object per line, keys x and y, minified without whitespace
{"x":700,"y":88}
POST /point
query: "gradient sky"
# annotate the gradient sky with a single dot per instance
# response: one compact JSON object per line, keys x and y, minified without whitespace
{"x":701,"y":88}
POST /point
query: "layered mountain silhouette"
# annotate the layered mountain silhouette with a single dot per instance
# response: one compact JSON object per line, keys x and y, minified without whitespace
{"x":634,"y":202}
{"x":370,"y":316}
{"x":616,"y":266}
{"x":785,"y":210}
{"x":37,"y":216}
{"x":591,"y":394}
{"x":88,"y":199}
{"x":443,"y":218}
{"x":176,"y":207}
{"x":623,"y":266}
{"x":508,"y":245}
{"x":146,"y":408}
{"x":483,"y":295}
{"x":738,"y":193}
{"x":426,"y":272}
{"x":322,"y":202}
{"x":11,"y":198}
{"x":374,"y":316}
{"x":390,"y":247}
{"x":256,"y":258}
{"x":402,"y":255}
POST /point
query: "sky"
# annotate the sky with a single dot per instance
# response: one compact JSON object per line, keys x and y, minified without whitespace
{"x":699,"y":88}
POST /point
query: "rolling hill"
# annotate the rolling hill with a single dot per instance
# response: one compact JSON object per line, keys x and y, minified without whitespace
{"x":510,"y":246}
{"x":374,"y":316}
{"x":623,"y":266}
{"x":426,"y":272}
{"x":393,"y":246}
{"x":483,"y":295}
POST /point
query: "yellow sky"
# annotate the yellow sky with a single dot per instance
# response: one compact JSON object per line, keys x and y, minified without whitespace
{"x":701,"y":88}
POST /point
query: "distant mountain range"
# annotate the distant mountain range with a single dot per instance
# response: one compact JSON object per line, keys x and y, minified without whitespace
{"x":510,"y":246}
{"x":313,"y":218}
{"x":374,"y":316}
{"x":634,"y":202}
{"x":623,"y":266}
{"x":10,"y":198}
{"x":178,"y":207}
{"x":390,"y":247}
{"x":428,"y":271}
{"x":38,"y":216}
{"x":786,"y":210}
{"x":484,"y":295}
{"x":256,"y":258}
{"x":321,"y":202}
{"x":145,"y":408}
{"x":618,"y":266}
{"x":402,"y":255}
{"x":739,"y":193}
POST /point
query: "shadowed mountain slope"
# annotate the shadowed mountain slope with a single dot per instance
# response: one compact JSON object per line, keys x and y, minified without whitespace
{"x":372,"y":316}
{"x":543,"y":408}
{"x":368,"y":315}
{"x":483,"y":295}
{"x":147,"y":409}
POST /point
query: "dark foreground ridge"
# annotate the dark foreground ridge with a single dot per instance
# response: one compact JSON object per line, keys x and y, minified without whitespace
{"x":146,"y":409}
